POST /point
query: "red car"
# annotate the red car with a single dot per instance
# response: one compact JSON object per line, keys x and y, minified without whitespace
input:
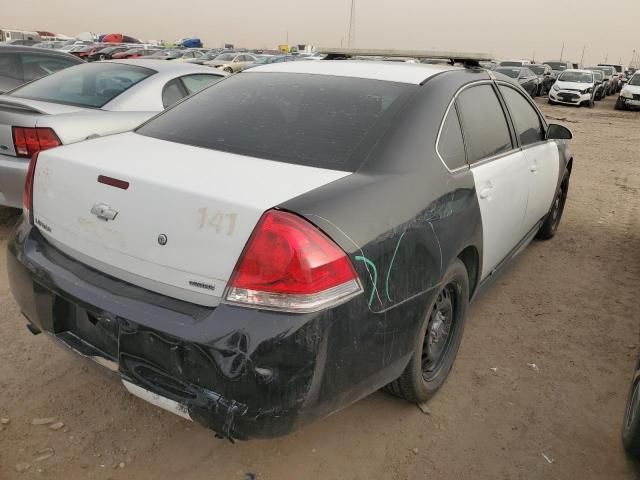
{"x":133,"y":53}
{"x":84,"y":52}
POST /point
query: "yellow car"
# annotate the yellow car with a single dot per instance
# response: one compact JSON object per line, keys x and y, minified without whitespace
{"x":231,"y":62}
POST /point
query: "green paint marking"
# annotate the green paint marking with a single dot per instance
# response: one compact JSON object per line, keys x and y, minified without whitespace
{"x":369,"y":263}
{"x":386,"y":283}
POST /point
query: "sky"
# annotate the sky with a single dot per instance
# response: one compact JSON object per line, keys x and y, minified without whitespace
{"x":505,"y":28}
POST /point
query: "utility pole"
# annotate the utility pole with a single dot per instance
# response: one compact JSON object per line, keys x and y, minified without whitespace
{"x":582,"y":57}
{"x":606,"y":58}
{"x":562,"y":51}
{"x":352,"y":25}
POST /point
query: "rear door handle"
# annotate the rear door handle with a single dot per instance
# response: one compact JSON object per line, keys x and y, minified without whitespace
{"x":486,"y":192}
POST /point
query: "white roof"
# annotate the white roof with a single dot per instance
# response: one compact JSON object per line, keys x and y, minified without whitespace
{"x":579,"y":70}
{"x":415,"y":73}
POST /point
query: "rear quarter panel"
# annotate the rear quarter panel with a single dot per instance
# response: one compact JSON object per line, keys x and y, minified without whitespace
{"x":402,"y":219}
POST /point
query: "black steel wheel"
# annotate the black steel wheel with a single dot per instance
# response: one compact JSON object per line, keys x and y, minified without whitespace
{"x":552,"y":221}
{"x":438,"y":339}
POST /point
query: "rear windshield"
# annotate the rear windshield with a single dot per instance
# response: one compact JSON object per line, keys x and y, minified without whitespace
{"x":537,"y":70}
{"x":510,"y":64}
{"x":509,"y":72}
{"x":314,"y":120}
{"x":90,"y":85}
{"x":557,"y":65}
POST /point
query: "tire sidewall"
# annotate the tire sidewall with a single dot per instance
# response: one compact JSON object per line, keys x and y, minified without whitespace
{"x":631,"y":430}
{"x":458,"y":273}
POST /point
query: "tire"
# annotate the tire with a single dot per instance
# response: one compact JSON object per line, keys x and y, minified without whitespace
{"x":228,"y":69}
{"x":102,"y":57}
{"x":551,"y":102}
{"x":428,"y":370}
{"x":631,"y":424}
{"x":552,"y":220}
{"x":619,"y":104}
{"x":591,"y":103}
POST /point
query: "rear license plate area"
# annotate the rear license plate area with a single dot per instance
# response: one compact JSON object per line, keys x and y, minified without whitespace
{"x":98,"y":331}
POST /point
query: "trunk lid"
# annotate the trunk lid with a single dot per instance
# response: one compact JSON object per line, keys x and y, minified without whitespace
{"x":19,"y":112}
{"x":180,"y":226}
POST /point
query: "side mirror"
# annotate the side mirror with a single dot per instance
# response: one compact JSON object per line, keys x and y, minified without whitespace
{"x":558,"y":132}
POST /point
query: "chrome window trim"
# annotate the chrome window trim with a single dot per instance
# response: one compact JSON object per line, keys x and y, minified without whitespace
{"x":469,"y":166}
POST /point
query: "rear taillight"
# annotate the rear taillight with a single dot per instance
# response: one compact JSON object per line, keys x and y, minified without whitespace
{"x":288,"y":264}
{"x":28,"y":141}
{"x":27,"y":198}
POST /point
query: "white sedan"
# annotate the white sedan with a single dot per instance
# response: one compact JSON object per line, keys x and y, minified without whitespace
{"x":88,"y":100}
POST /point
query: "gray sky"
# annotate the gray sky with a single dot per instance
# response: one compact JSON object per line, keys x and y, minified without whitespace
{"x":506,"y":28}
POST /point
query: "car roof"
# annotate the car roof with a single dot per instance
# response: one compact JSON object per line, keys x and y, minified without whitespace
{"x":414,"y":73}
{"x":579,"y":70}
{"x":24,"y":48}
{"x":163,"y":66}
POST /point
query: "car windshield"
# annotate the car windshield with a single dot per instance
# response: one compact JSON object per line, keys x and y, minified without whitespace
{"x":576,"y":77}
{"x":560,"y":66}
{"x":635,"y":80}
{"x":314,"y":120}
{"x":537,"y":70}
{"x":510,"y":64}
{"x":226,"y":57}
{"x":509,"y":72}
{"x":90,"y":85}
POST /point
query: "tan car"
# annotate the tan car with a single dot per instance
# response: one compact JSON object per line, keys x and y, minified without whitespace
{"x":231,"y":62}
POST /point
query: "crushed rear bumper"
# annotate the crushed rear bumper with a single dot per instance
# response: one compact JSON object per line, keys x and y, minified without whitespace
{"x":244,"y":373}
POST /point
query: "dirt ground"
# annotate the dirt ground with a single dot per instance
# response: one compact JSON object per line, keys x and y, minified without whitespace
{"x":570,"y":306}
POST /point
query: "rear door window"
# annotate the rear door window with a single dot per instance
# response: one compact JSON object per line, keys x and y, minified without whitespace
{"x":195,"y":83}
{"x":315,"y":120}
{"x":526,"y":120}
{"x":486,"y":132}
{"x":172,"y":93}
{"x":90,"y":85}
{"x":451,"y":143}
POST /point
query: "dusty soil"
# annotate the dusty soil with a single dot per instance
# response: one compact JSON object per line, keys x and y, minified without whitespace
{"x":569,"y":306}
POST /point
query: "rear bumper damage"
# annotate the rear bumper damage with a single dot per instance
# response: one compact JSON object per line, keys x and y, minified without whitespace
{"x":244,"y":373}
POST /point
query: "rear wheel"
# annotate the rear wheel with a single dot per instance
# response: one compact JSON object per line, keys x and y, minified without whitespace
{"x":552,"y":221}
{"x":620,"y":104}
{"x":631,"y":427}
{"x":438,"y":339}
{"x":228,"y":69}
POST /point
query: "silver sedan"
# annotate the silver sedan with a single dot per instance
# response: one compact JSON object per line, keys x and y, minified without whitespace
{"x":86,"y":101}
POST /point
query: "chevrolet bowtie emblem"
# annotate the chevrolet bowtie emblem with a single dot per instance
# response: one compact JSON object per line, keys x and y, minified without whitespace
{"x":104,"y":212}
